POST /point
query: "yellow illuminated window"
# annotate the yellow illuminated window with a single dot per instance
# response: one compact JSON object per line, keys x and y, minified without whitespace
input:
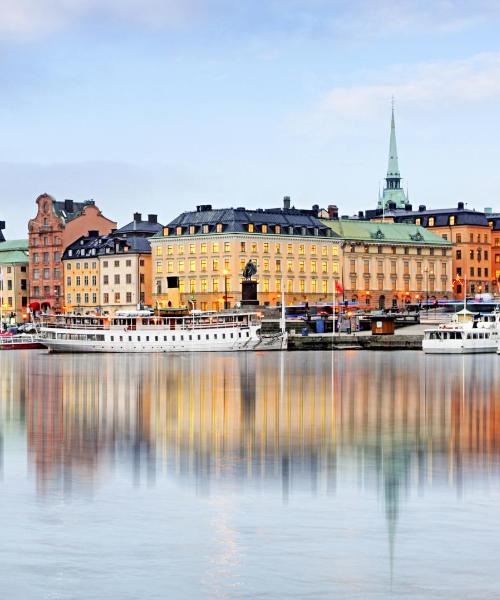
{"x":301,"y":249}
{"x":324,"y":266}
{"x":265,"y":285}
{"x":191,"y":230}
{"x":170,"y":266}
{"x":226,"y":264}
{"x":278,"y":265}
{"x":289,"y":285}
{"x":192,"y":265}
{"x":181,"y":249}
{"x":265,"y":264}
{"x":324,"y":250}
{"x":178,"y":230}
{"x":278,"y":248}
{"x":302,"y":286}
{"x":215,"y":285}
{"x":159,"y":267}
{"x":203,"y":248}
{"x":203,"y":285}
{"x":264,"y":230}
{"x":227,"y":247}
{"x":254,"y":248}
{"x":205,"y":228}
{"x":182,"y":286}
{"x":192,"y":286}
{"x":452,"y":220}
{"x":170,"y":250}
{"x":219,"y":227}
{"x":289,"y":266}
{"x":335,"y":267}
{"x":158,"y":250}
{"x":192,"y":248}
{"x":277,"y":229}
{"x":203,"y":265}
{"x":243,"y":247}
{"x":242,"y":264}
{"x":418,"y":221}
{"x":314,"y":286}
{"x":431,"y":221}
{"x":301,"y":266}
{"x":335,"y":251}
{"x":181,"y":266}
{"x":313,"y":266}
{"x":215,"y":247}
{"x":278,"y":285}
{"x":250,"y":228}
{"x":215,"y":264}
{"x":266,"y":247}
{"x":324,"y":286}
{"x":289,"y":248}
{"x":313,"y":249}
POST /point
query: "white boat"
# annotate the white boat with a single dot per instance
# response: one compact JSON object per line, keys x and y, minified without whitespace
{"x":195,"y":332}
{"x":467,"y":333}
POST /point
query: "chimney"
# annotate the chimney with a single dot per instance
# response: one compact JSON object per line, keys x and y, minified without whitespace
{"x":408,"y":207}
{"x":152,"y":218}
{"x":460,"y":206}
{"x":315,"y":208}
{"x":137,"y":217}
{"x":361,"y":214}
{"x":421,"y":208}
{"x":69,"y":206}
{"x":286,"y":202}
{"x":333,"y":212}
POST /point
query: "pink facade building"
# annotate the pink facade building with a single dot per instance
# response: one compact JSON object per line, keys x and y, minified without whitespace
{"x":56,"y":225}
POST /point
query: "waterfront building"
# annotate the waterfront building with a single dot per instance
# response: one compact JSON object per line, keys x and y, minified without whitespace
{"x":55,"y":226}
{"x":200,"y":255}
{"x":111,"y":272}
{"x":393,"y":194}
{"x":471,"y":233}
{"x":14,"y":291}
{"x":392,"y":264}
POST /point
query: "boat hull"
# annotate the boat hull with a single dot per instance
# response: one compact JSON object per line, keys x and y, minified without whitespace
{"x":458,"y":350}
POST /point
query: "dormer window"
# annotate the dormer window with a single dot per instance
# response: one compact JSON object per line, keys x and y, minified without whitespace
{"x":303,"y":230}
{"x":250,"y":228}
{"x":264,"y":228}
{"x":316,"y":231}
{"x":418,"y":221}
{"x":191,"y":230}
{"x":277,"y":229}
{"x":166,"y":231}
{"x":219,"y":228}
{"x":70,"y":252}
{"x":431,"y":221}
{"x":452,"y":220}
{"x":290,"y":230}
{"x":178,"y":230}
{"x":205,"y":228}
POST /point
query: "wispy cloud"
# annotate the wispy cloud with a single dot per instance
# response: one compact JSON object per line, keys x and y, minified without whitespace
{"x":421,"y":87}
{"x":30,"y":19}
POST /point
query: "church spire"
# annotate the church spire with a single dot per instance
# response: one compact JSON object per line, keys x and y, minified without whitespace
{"x":393,"y":193}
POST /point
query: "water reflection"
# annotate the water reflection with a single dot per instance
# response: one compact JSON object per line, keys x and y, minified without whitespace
{"x":287,"y":424}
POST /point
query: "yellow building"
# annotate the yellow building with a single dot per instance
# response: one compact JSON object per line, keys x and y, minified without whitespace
{"x":200,"y":257}
{"x":110,"y":273}
{"x":14,"y":280}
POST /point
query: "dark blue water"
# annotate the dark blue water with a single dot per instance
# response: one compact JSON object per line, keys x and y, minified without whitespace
{"x":297,"y":475}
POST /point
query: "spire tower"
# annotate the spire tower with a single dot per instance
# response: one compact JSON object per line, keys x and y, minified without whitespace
{"x":393,"y":192}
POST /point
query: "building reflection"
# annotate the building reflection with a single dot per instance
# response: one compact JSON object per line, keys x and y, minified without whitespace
{"x":282,"y":420}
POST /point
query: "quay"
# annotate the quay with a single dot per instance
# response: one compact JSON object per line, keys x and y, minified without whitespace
{"x":355,"y":342}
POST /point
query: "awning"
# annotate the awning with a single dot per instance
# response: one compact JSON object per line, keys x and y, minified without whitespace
{"x":34,"y":306}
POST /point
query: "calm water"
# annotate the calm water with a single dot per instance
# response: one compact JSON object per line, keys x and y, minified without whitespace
{"x":299,"y":475}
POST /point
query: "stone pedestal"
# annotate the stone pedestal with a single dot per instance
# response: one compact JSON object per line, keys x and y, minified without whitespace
{"x":249,"y":293}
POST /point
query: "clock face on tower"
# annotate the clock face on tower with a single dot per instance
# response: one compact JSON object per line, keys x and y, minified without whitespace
{"x":45,"y":207}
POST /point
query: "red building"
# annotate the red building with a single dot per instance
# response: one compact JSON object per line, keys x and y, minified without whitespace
{"x":56,"y":225}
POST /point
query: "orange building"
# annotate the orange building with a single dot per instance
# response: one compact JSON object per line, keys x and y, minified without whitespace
{"x":56,"y":225}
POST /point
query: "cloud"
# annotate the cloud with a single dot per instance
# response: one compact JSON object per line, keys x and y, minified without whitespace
{"x":423,"y":86}
{"x":30,"y":19}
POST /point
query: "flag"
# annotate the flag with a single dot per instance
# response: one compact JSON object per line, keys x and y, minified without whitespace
{"x":339,"y":288}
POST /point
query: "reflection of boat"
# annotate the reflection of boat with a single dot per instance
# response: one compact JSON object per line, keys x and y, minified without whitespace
{"x":19,"y":342}
{"x":466,"y":333}
{"x":137,"y":332}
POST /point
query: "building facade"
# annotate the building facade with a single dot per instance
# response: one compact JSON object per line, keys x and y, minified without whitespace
{"x":470,"y":232}
{"x":14,"y":280}
{"x":200,"y":256}
{"x":55,"y":226}
{"x":111,"y":272}
{"x":391,"y":264}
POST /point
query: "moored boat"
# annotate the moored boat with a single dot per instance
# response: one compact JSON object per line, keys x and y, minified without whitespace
{"x":467,"y":333}
{"x":138,"y":332}
{"x":20,"y":342}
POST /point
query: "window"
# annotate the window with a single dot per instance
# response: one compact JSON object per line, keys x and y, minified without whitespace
{"x":452,"y":220}
{"x":203,"y":248}
{"x":289,"y":266}
{"x":277,"y":229}
{"x":418,"y":221}
{"x":86,"y":298}
{"x":128,"y":277}
{"x":324,"y":266}
{"x":215,"y":285}
{"x":78,"y":281}
{"x":215,"y":264}
{"x":266,"y":247}
{"x":94,"y":280}
{"x":242,"y":247}
{"x":302,"y":286}
{"x":181,"y":266}
{"x":215,"y":247}
{"x":68,"y":281}
{"x":192,"y":265}
{"x":218,"y":228}
{"x":278,"y":248}
{"x":313,"y":249}
{"x":178,"y":231}
{"x":459,"y":254}
{"x":117,"y":264}
{"x":301,"y":249}
{"x":265,"y":264}
{"x":117,"y":279}
{"x":301,"y":266}
{"x":205,"y":228}
{"x":313,"y":266}
{"x":192,"y":248}
{"x":459,"y":238}
{"x":335,"y":250}
{"x":264,"y":230}
{"x":159,"y":250}
{"x":324,"y":286}
{"x":289,"y":249}
{"x":250,"y":228}
{"x":192,"y":286}
{"x":278,"y":285}
{"x":278,"y":264}
{"x":203,"y":286}
{"x":431,"y":221}
{"x":254,"y":248}
{"x":117,"y":297}
{"x":227,"y":247}
{"x":86,"y":280}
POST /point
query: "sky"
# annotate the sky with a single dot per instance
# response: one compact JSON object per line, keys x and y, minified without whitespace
{"x":156,"y":106}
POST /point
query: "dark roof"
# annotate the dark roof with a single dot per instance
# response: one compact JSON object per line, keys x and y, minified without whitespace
{"x":69,"y":209}
{"x":463,"y":216}
{"x":236,"y":220}
{"x":138,"y":227}
{"x":91,"y":246}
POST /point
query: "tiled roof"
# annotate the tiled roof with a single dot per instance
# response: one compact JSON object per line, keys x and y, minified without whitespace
{"x":370,"y":231}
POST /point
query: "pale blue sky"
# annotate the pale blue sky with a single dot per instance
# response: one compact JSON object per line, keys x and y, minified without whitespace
{"x":157,"y":106}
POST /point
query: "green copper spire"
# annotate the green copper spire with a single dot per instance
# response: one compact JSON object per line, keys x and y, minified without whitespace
{"x":393,"y":193}
{"x":393,"y":166}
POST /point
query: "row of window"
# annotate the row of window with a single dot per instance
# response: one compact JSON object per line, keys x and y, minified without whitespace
{"x":56,"y":256}
{"x":92,"y":298}
{"x":46,"y":274}
{"x":479,"y":253}
{"x":249,"y":228}
{"x":8,"y":284}
{"x":480,"y":272}
{"x":251,"y":247}
{"x":46,"y":241}
{"x":458,"y":238}
{"x":215,"y":265}
{"x":46,"y":291}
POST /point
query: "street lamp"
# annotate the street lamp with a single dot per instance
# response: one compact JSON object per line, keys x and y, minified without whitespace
{"x":226,"y":303}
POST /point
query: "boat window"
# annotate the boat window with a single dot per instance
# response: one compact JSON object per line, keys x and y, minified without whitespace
{"x":207,"y":336}
{"x":129,"y":338}
{"x":445,"y":335}
{"x":99,"y":338}
{"x":248,"y":334}
{"x":173,"y":338}
{"x":164,"y":338}
{"x":232,"y":335}
{"x":215,"y":336}
{"x":199,"y":336}
{"x":138,"y":338}
{"x":121,"y":338}
{"x":156,"y":338}
{"x":112,"y":338}
{"x":182,"y":338}
{"x":239,"y":333}
{"x":223,"y":336}
{"x":190,"y":337}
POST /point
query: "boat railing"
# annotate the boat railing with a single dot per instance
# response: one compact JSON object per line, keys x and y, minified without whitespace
{"x":185,"y":324}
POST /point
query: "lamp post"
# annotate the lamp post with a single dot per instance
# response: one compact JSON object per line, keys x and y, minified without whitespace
{"x":426,"y":271}
{"x":226,"y":303}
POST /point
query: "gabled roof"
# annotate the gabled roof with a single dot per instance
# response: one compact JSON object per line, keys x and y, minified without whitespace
{"x":69,"y":211}
{"x":390,"y":233}
{"x":14,"y":252}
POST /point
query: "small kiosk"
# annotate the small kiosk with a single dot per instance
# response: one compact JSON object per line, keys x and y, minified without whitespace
{"x":382,"y":324}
